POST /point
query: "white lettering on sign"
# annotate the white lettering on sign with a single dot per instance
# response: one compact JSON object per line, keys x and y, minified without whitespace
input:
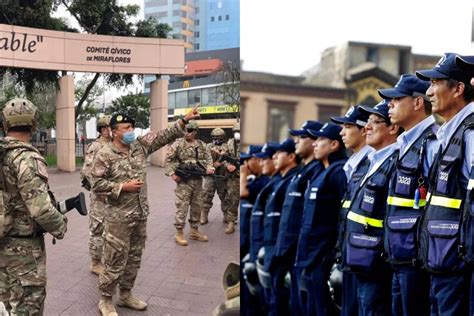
{"x":109,"y":54}
{"x":404,"y":180}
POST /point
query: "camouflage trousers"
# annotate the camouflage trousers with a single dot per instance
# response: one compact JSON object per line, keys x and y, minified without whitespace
{"x":231,"y":202}
{"x":23,"y":275}
{"x":211,"y":185}
{"x":96,"y":226}
{"x":123,"y":247}
{"x":188,"y":197}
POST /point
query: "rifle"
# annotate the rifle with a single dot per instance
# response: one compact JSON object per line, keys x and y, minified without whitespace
{"x":85,"y":183}
{"x":77,"y":202}
{"x":229,"y":159}
{"x":191,"y":171}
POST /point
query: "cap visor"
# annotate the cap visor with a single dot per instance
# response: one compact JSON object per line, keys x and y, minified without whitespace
{"x":429,"y":74}
{"x":342,"y":120}
{"x":262,"y":155}
{"x":371,"y":110}
{"x":465,"y":62}
{"x":391,"y":94}
{"x":245,"y":156}
{"x":297,"y":132}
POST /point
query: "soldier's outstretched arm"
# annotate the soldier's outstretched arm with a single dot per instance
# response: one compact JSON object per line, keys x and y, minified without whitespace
{"x":171,"y":162}
{"x":101,"y":185}
{"x":33,"y":188}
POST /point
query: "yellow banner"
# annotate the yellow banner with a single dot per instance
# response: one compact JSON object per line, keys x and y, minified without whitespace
{"x":208,"y":110}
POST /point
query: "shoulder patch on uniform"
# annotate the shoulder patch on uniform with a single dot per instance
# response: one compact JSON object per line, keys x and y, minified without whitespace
{"x":41,"y":167}
{"x":148,"y":138}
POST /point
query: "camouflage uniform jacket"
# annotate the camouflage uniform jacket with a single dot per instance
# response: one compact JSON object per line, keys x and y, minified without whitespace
{"x":234,"y":151}
{"x":26,"y":192}
{"x":111,"y":167}
{"x":182,"y":152}
{"x":216,"y":152}
{"x":92,"y":149}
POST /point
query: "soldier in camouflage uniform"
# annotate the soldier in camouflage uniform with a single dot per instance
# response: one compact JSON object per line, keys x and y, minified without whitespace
{"x":119,"y":174}
{"x":188,"y":151}
{"x":212,"y":184}
{"x":231,"y":202}
{"x":97,"y":206}
{"x":27,"y":212}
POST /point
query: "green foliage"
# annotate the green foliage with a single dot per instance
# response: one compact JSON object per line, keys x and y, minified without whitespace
{"x":151,"y":28}
{"x":91,"y":101}
{"x":137,"y":106}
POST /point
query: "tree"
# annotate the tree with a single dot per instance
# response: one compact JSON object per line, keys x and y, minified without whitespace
{"x":229,"y":90}
{"x":136,"y":106}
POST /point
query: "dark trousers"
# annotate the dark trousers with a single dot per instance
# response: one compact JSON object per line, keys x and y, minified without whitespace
{"x":349,"y":305}
{"x":449,"y":294}
{"x":373,"y":294}
{"x":279,"y":294}
{"x":410,"y":292}
{"x":319,"y":302}
{"x":250,"y":305}
{"x":471,"y":297}
{"x":295,"y":308}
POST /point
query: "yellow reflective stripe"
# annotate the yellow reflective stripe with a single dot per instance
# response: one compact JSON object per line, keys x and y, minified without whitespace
{"x":470,"y":184}
{"x":346,"y":204}
{"x":364,"y":220}
{"x":446,"y":202}
{"x":428,"y":196}
{"x":397,"y":201}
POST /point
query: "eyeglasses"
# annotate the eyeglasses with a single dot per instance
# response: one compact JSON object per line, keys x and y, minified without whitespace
{"x":374,"y":122}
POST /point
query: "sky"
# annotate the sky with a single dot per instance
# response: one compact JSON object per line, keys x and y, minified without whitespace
{"x":288,"y":37}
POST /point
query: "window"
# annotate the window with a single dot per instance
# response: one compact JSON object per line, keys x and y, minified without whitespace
{"x":208,"y":96}
{"x":197,"y":10}
{"x":372,"y":55}
{"x":181,"y":99}
{"x":227,"y":17}
{"x":194,"y":97}
{"x":325,"y":112}
{"x":196,"y":46}
{"x":172,"y":100}
{"x":196,"y":34}
{"x":212,"y":19}
{"x":280,"y":119}
{"x":174,"y":1}
{"x":219,"y":5}
{"x":220,"y":17}
{"x":176,"y":12}
{"x":196,"y":22}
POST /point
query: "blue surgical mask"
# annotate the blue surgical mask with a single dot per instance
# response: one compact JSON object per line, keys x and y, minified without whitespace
{"x":128,"y":137}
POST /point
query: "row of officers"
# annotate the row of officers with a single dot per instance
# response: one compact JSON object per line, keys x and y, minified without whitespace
{"x":402,"y":239}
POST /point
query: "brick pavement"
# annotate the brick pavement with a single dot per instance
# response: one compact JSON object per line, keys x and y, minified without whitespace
{"x":173,"y":280}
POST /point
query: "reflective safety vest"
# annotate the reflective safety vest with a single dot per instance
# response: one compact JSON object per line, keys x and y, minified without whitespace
{"x":256,"y":219}
{"x":439,"y":233}
{"x":246,"y":205}
{"x":467,"y":229}
{"x":363,"y":241}
{"x":318,"y":232}
{"x":292,"y":211}
{"x":271,"y":222}
{"x":352,"y":186}
{"x":405,"y":202}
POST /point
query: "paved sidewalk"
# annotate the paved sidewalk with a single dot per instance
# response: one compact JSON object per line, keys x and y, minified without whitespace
{"x":173,"y":280}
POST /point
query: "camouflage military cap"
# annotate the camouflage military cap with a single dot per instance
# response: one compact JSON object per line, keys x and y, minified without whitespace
{"x":121,"y":118}
{"x":19,"y":112}
{"x":216,"y":132}
{"x":103,"y":121}
{"x":236,"y":127}
{"x":192,"y":125}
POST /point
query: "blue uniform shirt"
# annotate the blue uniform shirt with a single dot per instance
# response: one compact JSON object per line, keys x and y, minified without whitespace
{"x":377,"y":158}
{"x":354,"y":160}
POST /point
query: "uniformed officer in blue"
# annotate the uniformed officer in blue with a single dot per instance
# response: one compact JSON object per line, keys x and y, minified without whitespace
{"x":286,"y":163}
{"x":317,"y":239}
{"x":292,"y":211}
{"x":451,"y":96}
{"x":363,"y":247}
{"x":410,"y":109}
{"x":256,"y":219}
{"x":466,"y":63}
{"x":353,"y":136}
{"x":251,"y":183}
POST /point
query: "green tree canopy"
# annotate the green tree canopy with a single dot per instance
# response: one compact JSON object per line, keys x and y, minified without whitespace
{"x":137,"y":106}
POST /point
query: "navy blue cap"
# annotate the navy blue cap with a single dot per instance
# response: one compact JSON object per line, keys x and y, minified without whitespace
{"x":253,"y":149}
{"x":465,"y":63}
{"x":303,"y":131}
{"x":380,"y":109}
{"x":329,"y":130}
{"x":267,"y":150}
{"x":353,"y":116}
{"x":446,"y":68}
{"x":287,"y":145}
{"x":408,"y":85}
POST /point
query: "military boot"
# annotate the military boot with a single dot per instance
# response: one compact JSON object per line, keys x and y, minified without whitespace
{"x":230,"y":228}
{"x":126,"y":299}
{"x":196,"y":235}
{"x":179,"y":238}
{"x":204,"y":219}
{"x":96,"y":266}
{"x":106,"y":306}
